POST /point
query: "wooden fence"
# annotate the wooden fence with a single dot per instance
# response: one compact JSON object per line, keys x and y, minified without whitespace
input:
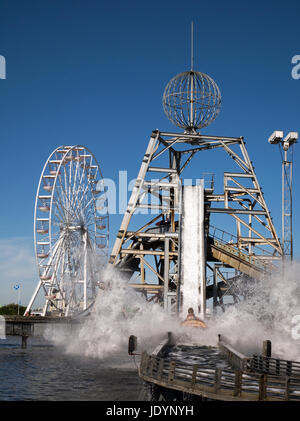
{"x":217,"y":383}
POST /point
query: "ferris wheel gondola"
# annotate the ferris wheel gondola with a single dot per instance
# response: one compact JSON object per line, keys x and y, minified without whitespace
{"x":71,"y":230}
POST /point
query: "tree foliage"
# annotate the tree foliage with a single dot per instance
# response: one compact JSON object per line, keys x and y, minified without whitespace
{"x":12,"y":309}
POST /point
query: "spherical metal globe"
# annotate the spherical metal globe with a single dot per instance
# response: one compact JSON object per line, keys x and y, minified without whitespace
{"x":192,"y":100}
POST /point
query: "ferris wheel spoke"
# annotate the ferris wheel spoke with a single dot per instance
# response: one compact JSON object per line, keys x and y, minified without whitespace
{"x":61,"y":201}
{"x":55,"y":271}
{"x":56,"y":223}
{"x":90,"y":218}
{"x":92,"y":233}
{"x":72,"y":183}
{"x":61,"y":185}
{"x":57,"y":216}
{"x":82,"y":177}
{"x":76,"y":206}
{"x":66,"y":212}
{"x":82,"y":198}
{"x":81,"y":191}
{"x":75,"y":183}
{"x":56,"y":248}
{"x":88,"y":203}
{"x":70,"y":180}
{"x":55,"y":237}
{"x":67,"y":183}
{"x":72,"y":202}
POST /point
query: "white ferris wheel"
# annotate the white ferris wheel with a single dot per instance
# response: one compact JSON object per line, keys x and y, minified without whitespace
{"x":71,"y":231}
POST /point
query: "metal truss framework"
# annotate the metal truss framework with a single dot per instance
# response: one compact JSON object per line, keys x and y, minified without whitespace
{"x":152,"y":251}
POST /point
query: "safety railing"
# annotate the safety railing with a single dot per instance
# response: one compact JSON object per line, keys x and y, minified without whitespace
{"x":275,"y":366}
{"x":229,"y":242}
{"x":237,"y":359}
{"x":217,"y":383}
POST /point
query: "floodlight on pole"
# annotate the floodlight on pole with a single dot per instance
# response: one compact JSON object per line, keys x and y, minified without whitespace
{"x":289,"y":140}
{"x":17,"y":287}
{"x":286,"y":143}
{"x":275,"y":137}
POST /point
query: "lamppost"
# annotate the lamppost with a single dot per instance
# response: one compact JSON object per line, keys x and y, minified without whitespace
{"x":17,"y":287}
{"x":286,"y":148}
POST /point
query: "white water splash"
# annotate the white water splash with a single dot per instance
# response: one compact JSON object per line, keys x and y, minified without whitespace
{"x":269,"y":313}
{"x":120,"y":312}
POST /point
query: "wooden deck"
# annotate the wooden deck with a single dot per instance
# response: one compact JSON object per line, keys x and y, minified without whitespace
{"x":240,"y":382}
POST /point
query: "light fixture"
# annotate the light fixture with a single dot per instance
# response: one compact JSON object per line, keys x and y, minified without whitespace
{"x":275,"y":137}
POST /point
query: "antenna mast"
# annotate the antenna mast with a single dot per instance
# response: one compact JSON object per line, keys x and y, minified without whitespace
{"x":192,"y":46}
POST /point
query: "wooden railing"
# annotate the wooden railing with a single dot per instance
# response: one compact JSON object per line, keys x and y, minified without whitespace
{"x":237,"y":359}
{"x":259,"y":363}
{"x":275,"y":366}
{"x":217,"y":383}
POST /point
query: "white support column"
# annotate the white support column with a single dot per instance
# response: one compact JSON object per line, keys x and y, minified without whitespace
{"x":28,"y":308}
{"x":40,"y":283}
{"x":85,"y":271}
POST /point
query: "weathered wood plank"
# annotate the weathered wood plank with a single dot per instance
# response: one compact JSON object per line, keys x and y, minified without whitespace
{"x":223,"y":385}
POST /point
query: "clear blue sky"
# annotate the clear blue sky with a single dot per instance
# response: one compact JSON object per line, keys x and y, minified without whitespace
{"x":93,"y":73}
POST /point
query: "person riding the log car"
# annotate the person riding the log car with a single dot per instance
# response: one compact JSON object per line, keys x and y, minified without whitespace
{"x":192,"y":320}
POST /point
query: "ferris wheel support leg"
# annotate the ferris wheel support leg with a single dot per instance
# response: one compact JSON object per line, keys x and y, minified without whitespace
{"x":28,"y":308}
{"x":45,"y":308}
{"x":51,"y":285}
{"x":85,"y":272}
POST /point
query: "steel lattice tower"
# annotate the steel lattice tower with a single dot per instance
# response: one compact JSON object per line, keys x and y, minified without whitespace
{"x":286,"y":149}
{"x":287,"y":209}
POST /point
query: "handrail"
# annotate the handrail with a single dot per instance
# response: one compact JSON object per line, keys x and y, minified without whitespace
{"x":217,"y":383}
{"x":250,"y":259}
{"x":275,"y":366}
{"x":260,"y":363}
{"x":259,"y":263}
{"x":255,"y":378}
{"x":232,"y":238}
{"x":236,"y":358}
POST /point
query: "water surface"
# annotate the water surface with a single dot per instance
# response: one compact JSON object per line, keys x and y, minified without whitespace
{"x":45,"y":372}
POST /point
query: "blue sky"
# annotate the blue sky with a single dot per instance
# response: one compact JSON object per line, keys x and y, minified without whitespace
{"x":93,"y":73}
